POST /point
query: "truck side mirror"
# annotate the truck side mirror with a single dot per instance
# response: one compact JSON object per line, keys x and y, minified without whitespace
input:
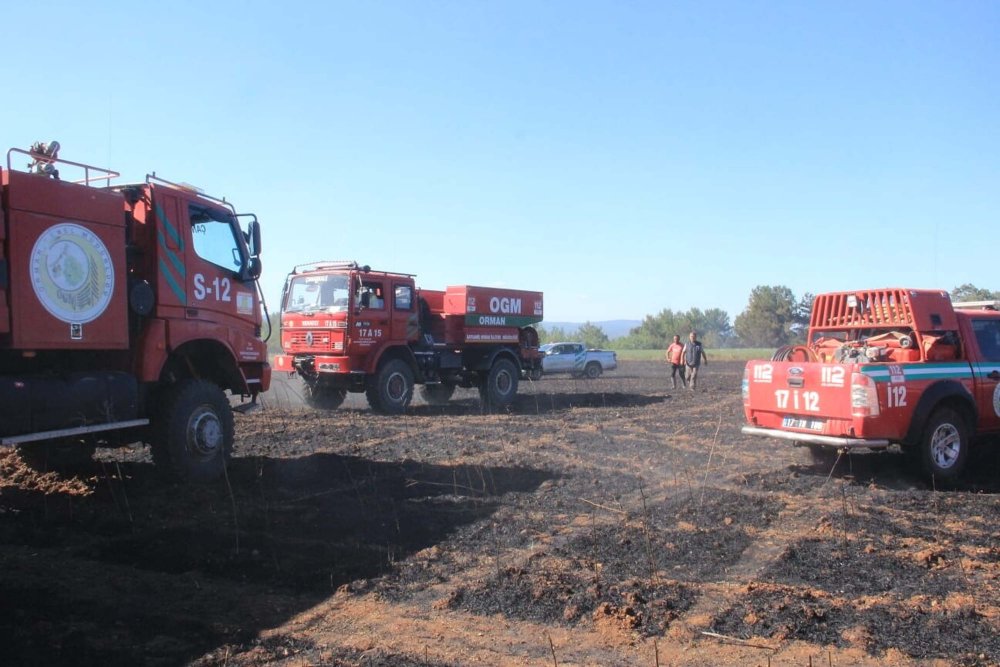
{"x":366,"y":299}
{"x":253,"y":231}
{"x":254,"y":267}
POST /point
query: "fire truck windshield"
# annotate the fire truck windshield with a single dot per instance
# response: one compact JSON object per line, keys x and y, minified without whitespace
{"x":327,"y":293}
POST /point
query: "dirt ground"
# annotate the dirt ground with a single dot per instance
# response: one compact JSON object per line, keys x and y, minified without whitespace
{"x":605,"y":522}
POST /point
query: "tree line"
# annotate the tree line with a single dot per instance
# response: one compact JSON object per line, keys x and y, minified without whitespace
{"x":773,"y":317}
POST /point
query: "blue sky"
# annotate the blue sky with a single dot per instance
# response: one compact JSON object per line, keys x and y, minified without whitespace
{"x":622,"y":157}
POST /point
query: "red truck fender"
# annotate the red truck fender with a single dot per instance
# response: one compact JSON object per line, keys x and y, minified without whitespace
{"x":946,"y":392}
{"x":487,"y":361}
{"x":393,"y":352}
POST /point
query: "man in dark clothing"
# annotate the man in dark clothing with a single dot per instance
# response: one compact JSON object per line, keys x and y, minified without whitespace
{"x":694,"y":353}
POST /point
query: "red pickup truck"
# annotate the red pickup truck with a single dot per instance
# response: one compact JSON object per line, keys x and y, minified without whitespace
{"x":884,"y":367}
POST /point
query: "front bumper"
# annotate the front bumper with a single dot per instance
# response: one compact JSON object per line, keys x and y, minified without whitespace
{"x":285,"y":363}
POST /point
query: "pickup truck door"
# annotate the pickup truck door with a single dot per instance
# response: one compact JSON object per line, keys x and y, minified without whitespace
{"x":558,"y":359}
{"x":986,"y":371}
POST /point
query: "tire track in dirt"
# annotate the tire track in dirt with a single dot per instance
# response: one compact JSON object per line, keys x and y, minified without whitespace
{"x":796,"y":520}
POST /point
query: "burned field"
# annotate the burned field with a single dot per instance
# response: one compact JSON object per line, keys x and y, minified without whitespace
{"x":605,"y":522}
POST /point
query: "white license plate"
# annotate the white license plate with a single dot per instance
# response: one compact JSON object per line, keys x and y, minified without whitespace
{"x":802,"y":422}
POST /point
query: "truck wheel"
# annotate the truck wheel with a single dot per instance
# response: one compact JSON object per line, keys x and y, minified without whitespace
{"x":593,"y":370}
{"x":499,"y":387}
{"x":437,"y":394}
{"x":324,"y":398}
{"x":193,"y":434}
{"x":944,"y":446}
{"x":391,"y":389}
{"x":56,"y":454}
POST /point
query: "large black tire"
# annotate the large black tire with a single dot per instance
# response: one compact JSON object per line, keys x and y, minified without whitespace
{"x":324,"y":398}
{"x":944,"y":446}
{"x":593,"y":370}
{"x":437,"y":394}
{"x":535,"y":374}
{"x":390,"y":390}
{"x":56,"y":454}
{"x":499,"y":387}
{"x":193,"y":432}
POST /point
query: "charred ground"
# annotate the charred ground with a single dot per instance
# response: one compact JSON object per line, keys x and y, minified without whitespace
{"x":607,"y":522}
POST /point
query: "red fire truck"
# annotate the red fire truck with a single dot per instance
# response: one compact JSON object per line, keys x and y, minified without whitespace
{"x":884,"y":367}
{"x":126,"y":312}
{"x":348,"y":328}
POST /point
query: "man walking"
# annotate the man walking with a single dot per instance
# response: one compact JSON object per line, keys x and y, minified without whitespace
{"x":694,"y":353}
{"x":675,"y":357}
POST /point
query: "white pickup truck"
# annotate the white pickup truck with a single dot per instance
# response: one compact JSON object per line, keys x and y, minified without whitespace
{"x":575,"y":358}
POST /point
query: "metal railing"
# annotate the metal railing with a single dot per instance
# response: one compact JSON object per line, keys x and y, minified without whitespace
{"x":865,"y":308}
{"x":103,"y":175}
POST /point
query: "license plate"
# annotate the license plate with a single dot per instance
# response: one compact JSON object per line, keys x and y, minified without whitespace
{"x":802,"y":422}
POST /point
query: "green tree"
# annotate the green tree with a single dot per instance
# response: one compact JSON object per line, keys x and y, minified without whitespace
{"x":712,"y":326}
{"x":592,"y":335}
{"x":803,"y":309}
{"x":803,"y":312}
{"x":768,"y":317}
{"x":969,"y":292}
{"x":553,"y":335}
{"x":656,"y":331}
{"x":653,"y":333}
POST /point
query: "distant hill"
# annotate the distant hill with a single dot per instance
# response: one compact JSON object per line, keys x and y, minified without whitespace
{"x":613,"y":328}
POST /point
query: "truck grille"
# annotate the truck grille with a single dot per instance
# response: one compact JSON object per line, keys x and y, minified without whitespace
{"x":316,"y":341}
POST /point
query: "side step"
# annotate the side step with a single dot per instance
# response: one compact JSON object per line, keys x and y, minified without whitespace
{"x":66,"y":432}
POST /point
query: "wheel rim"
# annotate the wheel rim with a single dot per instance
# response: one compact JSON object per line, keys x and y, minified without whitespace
{"x":395,"y":387}
{"x":503,"y":382}
{"x":592,"y":372}
{"x":204,"y":434}
{"x":946,"y":445}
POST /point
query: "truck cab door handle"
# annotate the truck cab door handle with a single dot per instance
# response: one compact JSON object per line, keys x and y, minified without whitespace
{"x":994,"y":375}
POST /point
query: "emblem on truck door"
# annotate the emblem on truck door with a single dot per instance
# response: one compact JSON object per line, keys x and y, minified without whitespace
{"x":72,"y":273}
